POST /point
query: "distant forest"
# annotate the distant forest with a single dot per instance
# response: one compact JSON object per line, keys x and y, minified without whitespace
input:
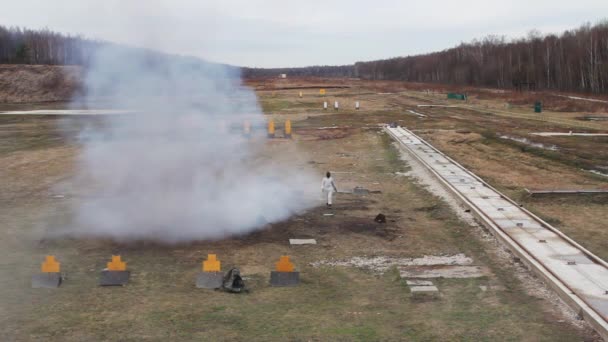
{"x":576,"y":60}
{"x":24,"y":46}
{"x":317,"y":70}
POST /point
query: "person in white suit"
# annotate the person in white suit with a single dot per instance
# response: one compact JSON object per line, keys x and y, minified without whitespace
{"x":328,"y":187}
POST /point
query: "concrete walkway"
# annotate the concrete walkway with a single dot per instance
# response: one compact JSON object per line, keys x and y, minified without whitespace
{"x":67,"y":112}
{"x":570,"y":134}
{"x":577,"y":275}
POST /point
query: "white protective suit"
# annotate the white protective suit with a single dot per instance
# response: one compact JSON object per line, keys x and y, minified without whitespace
{"x":328,"y":187}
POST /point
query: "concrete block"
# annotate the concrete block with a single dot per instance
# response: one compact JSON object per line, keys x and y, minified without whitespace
{"x":443,"y":271}
{"x":414,"y":282}
{"x":284,"y":278}
{"x":302,"y":241}
{"x":114,"y":278}
{"x":419,"y":292}
{"x":49,"y":280}
{"x":209,"y":280}
{"x":360,"y":191}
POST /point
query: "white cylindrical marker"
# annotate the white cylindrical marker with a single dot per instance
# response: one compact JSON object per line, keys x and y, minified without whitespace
{"x":325,"y":105}
{"x":357,"y":105}
{"x":336,"y":105}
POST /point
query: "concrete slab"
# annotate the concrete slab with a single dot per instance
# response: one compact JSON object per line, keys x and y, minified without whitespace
{"x":68,"y":112}
{"x":443,"y":271}
{"x":414,"y":282}
{"x":569,"y":134}
{"x":209,"y":280}
{"x":302,"y":241}
{"x":49,"y":280}
{"x":114,"y":278}
{"x":284,"y":278}
{"x":360,"y":191}
{"x":421,"y":292}
{"x":414,"y":289}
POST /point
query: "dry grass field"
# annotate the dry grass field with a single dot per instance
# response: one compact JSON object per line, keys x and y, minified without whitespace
{"x":332,"y":302}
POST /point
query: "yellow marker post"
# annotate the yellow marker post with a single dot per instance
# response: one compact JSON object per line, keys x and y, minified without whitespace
{"x":271,"y":128}
{"x":211,"y":264}
{"x":116,"y":264}
{"x":288,"y":129}
{"x":322,"y":92}
{"x":284,"y":265}
{"x":50,"y":265}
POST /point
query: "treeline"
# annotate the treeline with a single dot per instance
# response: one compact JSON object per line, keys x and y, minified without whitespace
{"x":25,"y":46}
{"x":576,"y":60}
{"x":312,"y":71}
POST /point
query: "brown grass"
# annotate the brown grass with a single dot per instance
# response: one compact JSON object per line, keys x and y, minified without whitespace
{"x":161,"y":302}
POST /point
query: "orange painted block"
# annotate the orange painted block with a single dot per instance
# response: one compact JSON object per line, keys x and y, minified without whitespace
{"x":284,"y":265}
{"x":270,"y":127}
{"x":116,"y":264}
{"x":211,"y":264}
{"x":50,"y":265}
{"x":288,"y":127}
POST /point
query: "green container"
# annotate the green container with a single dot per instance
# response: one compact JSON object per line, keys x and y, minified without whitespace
{"x":456,"y":96}
{"x":538,"y":107}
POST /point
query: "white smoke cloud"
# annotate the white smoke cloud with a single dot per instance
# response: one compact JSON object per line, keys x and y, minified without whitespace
{"x":179,"y":169}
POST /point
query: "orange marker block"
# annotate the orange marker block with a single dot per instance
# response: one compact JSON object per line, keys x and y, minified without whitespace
{"x":211,"y":264}
{"x":271,"y":129}
{"x":288,"y":128}
{"x":116,"y":264}
{"x":284,"y":265}
{"x":50,"y":265}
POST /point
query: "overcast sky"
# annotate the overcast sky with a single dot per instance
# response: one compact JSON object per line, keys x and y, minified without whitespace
{"x":275,"y":33}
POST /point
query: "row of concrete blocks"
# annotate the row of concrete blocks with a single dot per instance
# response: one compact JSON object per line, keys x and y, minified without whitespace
{"x":204,"y":280}
{"x":54,"y":279}
{"x":116,"y":274}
